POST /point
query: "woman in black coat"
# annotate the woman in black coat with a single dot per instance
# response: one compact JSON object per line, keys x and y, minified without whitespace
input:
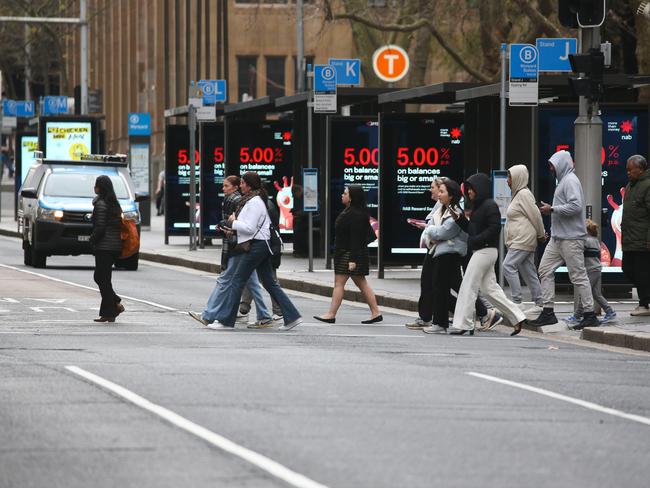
{"x":107,"y":245}
{"x":352,"y":233}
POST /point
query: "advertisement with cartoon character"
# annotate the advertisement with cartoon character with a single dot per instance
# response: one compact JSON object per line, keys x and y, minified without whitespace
{"x":625,"y":132}
{"x":68,"y":140}
{"x":265,"y":147}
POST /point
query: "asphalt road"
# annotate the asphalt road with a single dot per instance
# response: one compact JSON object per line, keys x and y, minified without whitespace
{"x":157,"y":400}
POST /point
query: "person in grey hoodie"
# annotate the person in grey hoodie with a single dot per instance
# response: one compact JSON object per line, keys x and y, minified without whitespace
{"x":524,"y":229}
{"x":567,"y":243}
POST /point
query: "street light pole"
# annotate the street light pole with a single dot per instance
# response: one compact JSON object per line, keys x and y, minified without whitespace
{"x":589,"y":139}
{"x":83,"y":18}
{"x":300,"y":47}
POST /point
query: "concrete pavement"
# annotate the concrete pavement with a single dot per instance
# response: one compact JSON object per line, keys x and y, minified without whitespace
{"x":399,"y":289}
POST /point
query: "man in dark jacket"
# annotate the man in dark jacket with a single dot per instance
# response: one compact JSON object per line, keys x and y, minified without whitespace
{"x":484,"y":230}
{"x":635,"y":231}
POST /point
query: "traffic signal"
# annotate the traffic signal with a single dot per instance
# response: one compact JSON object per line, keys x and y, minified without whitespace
{"x":591,"y":65}
{"x":582,"y":13}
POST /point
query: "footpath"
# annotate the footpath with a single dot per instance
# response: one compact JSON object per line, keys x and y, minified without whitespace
{"x":399,"y":289}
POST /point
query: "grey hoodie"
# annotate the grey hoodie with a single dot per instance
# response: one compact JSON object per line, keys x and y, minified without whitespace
{"x":568,"y":217}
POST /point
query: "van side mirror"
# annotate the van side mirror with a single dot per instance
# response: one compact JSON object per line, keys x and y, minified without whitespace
{"x":141,"y":197}
{"x":28,"y":193}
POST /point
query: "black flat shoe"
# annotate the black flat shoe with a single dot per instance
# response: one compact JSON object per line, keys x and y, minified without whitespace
{"x":120,"y":309}
{"x":323,"y":319}
{"x":517,"y":328}
{"x":104,"y":319}
{"x":460,"y":332}
{"x":374,"y":320}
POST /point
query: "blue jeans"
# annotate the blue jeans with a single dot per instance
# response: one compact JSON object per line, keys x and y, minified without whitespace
{"x":218,"y":297}
{"x":258,"y":258}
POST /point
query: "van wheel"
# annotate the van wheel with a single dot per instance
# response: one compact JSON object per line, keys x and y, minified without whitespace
{"x":27,"y":253}
{"x":130,"y":263}
{"x":38,"y":259}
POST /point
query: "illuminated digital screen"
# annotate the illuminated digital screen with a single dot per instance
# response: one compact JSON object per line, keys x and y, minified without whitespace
{"x":265,"y":147}
{"x":177,"y":179}
{"x":28,"y":144}
{"x":212,"y":176}
{"x":625,"y":133}
{"x":354,"y":160}
{"x":415,"y":148}
{"x":68,"y":140}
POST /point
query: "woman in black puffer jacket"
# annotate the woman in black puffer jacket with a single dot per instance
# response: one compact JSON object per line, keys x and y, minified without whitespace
{"x":484,"y":229}
{"x":107,"y":245}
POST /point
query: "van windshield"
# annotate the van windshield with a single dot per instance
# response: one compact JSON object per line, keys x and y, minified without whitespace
{"x":80,"y":185}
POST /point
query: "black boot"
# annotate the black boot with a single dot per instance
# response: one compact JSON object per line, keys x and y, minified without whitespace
{"x":589,"y":320}
{"x":547,"y":317}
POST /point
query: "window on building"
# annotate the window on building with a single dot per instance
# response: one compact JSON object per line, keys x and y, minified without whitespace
{"x":262,"y":1}
{"x":308,"y":60}
{"x":246,"y":77}
{"x":275,"y":78}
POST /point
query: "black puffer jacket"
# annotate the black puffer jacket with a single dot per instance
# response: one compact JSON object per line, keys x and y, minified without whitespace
{"x":106,"y":227}
{"x":484,"y":226}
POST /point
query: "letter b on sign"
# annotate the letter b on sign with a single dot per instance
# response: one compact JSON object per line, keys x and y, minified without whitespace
{"x":391,"y":63}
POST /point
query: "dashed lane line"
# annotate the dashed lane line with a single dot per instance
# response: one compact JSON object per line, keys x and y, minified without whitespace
{"x":262,"y":462}
{"x":558,"y":396}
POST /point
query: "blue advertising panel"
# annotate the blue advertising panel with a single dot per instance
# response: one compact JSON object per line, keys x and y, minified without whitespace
{"x":625,"y":133}
{"x":554,"y":53}
{"x":348,"y":71}
{"x":139,"y":124}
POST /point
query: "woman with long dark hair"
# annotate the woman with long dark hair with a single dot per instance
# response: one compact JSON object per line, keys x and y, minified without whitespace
{"x":107,"y":245}
{"x":252,"y":223}
{"x":352,"y":232}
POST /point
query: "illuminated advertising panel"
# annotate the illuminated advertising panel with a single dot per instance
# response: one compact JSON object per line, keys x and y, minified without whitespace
{"x":414,"y":149}
{"x":265,"y":147}
{"x":177,"y":179}
{"x":68,"y":140}
{"x":28,"y":144}
{"x":625,"y":133}
{"x":354,"y":160}
{"x":212,"y":175}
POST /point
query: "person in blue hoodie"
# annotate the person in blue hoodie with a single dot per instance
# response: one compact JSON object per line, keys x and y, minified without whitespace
{"x":567,"y":243}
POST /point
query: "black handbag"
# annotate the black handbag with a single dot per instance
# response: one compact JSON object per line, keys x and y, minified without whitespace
{"x":243,"y":247}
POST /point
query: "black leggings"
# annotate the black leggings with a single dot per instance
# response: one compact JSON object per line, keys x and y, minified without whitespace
{"x":429,"y":296}
{"x":104,"y":261}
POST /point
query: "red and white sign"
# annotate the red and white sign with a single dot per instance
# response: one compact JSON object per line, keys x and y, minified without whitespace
{"x":391,"y":63}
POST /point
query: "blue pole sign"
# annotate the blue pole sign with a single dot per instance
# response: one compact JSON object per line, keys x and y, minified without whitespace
{"x":25,"y":108}
{"x":55,"y":105}
{"x":324,"y":89}
{"x":554,"y":53}
{"x":524,"y":75}
{"x":214,"y":91}
{"x":139,"y":124}
{"x":9,"y":108}
{"x":310,"y":189}
{"x":348,"y":71}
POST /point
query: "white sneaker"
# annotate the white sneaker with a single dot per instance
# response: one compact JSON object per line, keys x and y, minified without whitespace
{"x":533,"y":311}
{"x":216,"y":325}
{"x":418,"y":324}
{"x":197,"y":316}
{"x":640,"y":311}
{"x":277,"y":318}
{"x":434,"y":329}
{"x":261,"y":324}
{"x":291,"y":325}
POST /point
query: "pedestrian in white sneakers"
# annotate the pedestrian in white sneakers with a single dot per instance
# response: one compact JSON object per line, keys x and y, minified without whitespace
{"x":635,"y":231}
{"x":523,"y":231}
{"x":484,"y":230}
{"x":567,"y":243}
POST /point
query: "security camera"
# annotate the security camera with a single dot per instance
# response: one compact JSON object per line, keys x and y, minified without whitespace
{"x":644,"y":10}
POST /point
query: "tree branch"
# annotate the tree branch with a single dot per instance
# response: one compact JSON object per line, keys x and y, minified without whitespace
{"x":541,"y":22}
{"x":422,"y":23}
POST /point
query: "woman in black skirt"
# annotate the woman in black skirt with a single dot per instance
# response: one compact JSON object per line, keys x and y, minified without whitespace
{"x":352,"y":233}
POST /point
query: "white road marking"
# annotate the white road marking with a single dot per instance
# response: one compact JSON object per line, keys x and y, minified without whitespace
{"x":565,"y":398}
{"x":139,"y":300}
{"x":9,"y":300}
{"x":42,"y":309}
{"x":262,"y":462}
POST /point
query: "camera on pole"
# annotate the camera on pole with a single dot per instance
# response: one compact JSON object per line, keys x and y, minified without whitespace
{"x":582,"y":13}
{"x":590,"y":68}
